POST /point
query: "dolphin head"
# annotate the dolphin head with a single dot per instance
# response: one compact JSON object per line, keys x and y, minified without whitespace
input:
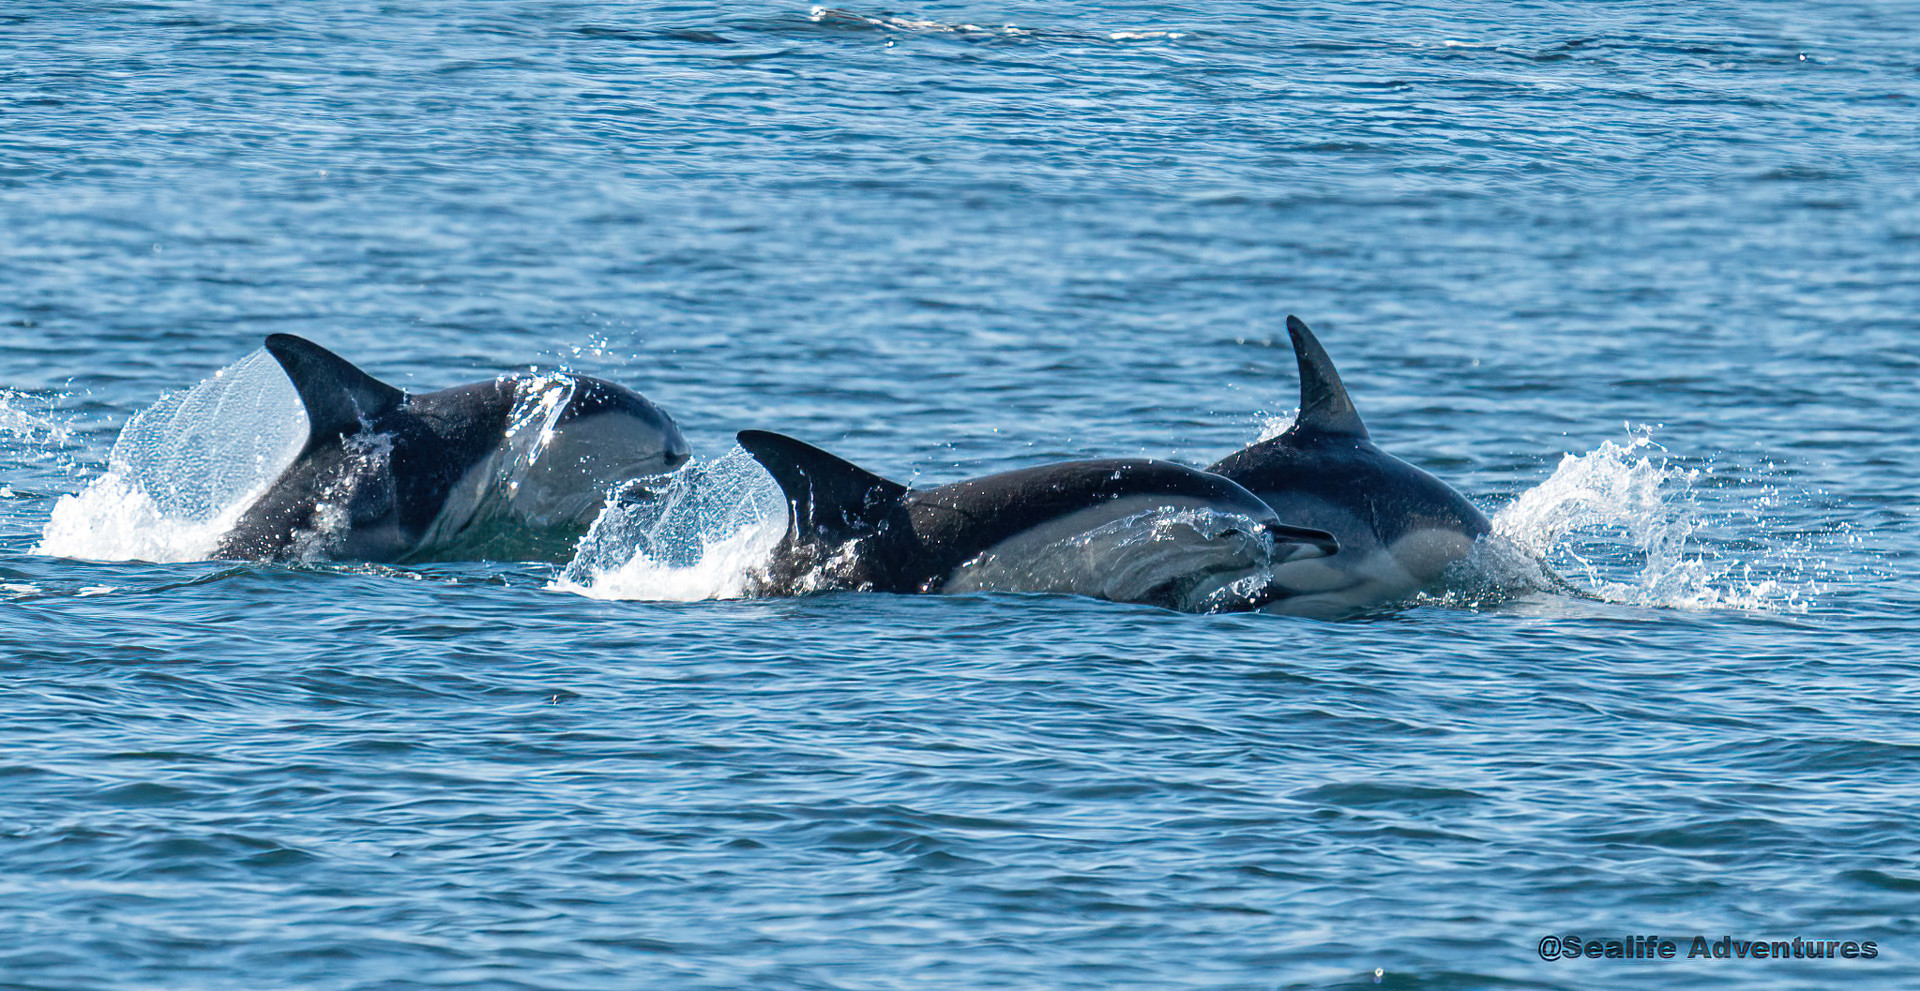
{"x":595,"y":434}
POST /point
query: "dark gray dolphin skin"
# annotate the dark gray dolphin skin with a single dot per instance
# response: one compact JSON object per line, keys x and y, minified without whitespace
{"x":1076,"y":527}
{"x":514,"y":468}
{"x":1399,"y":527}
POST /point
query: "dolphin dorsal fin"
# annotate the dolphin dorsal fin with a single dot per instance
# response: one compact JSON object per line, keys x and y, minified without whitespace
{"x":826,"y":494}
{"x":338,"y":396}
{"x":1324,"y":406}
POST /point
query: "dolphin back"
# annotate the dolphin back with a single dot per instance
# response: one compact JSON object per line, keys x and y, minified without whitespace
{"x":1325,"y":471}
{"x":980,"y":512}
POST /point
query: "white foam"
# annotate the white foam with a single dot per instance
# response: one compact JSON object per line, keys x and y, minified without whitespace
{"x":1625,"y":525}
{"x":183,"y":470}
{"x":1274,"y":426}
{"x":113,"y":519}
{"x":700,"y":536}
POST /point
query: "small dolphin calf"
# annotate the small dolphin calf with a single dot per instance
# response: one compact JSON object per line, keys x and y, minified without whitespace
{"x":1130,"y":530}
{"x":515,"y":468}
{"x":1398,"y":527}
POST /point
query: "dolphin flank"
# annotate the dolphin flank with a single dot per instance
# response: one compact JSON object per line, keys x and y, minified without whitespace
{"x":1129,"y":530}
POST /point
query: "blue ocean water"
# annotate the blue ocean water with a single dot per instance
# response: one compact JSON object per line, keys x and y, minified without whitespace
{"x":1643,"y":281}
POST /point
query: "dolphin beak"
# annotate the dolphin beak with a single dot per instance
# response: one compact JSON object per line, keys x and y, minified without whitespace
{"x":1319,"y":540}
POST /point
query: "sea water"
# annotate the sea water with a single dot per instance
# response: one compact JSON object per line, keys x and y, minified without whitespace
{"x":1637,"y":279}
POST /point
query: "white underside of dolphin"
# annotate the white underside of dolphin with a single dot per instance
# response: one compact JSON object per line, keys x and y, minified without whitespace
{"x":1127,"y":550}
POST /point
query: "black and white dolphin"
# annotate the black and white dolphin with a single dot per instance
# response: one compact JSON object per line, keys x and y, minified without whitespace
{"x":513,"y":468}
{"x":1129,"y":530}
{"x":1399,"y":528}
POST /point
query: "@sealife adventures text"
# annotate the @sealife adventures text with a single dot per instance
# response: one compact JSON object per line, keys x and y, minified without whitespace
{"x":1569,"y":947}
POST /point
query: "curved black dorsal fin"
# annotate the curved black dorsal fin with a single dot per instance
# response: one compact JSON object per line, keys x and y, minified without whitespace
{"x":338,"y":396}
{"x":1324,"y":406}
{"x":826,"y":494}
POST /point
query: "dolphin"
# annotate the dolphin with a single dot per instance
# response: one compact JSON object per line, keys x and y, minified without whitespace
{"x":512,"y":468}
{"x":1129,"y":530}
{"x":1399,"y":528}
